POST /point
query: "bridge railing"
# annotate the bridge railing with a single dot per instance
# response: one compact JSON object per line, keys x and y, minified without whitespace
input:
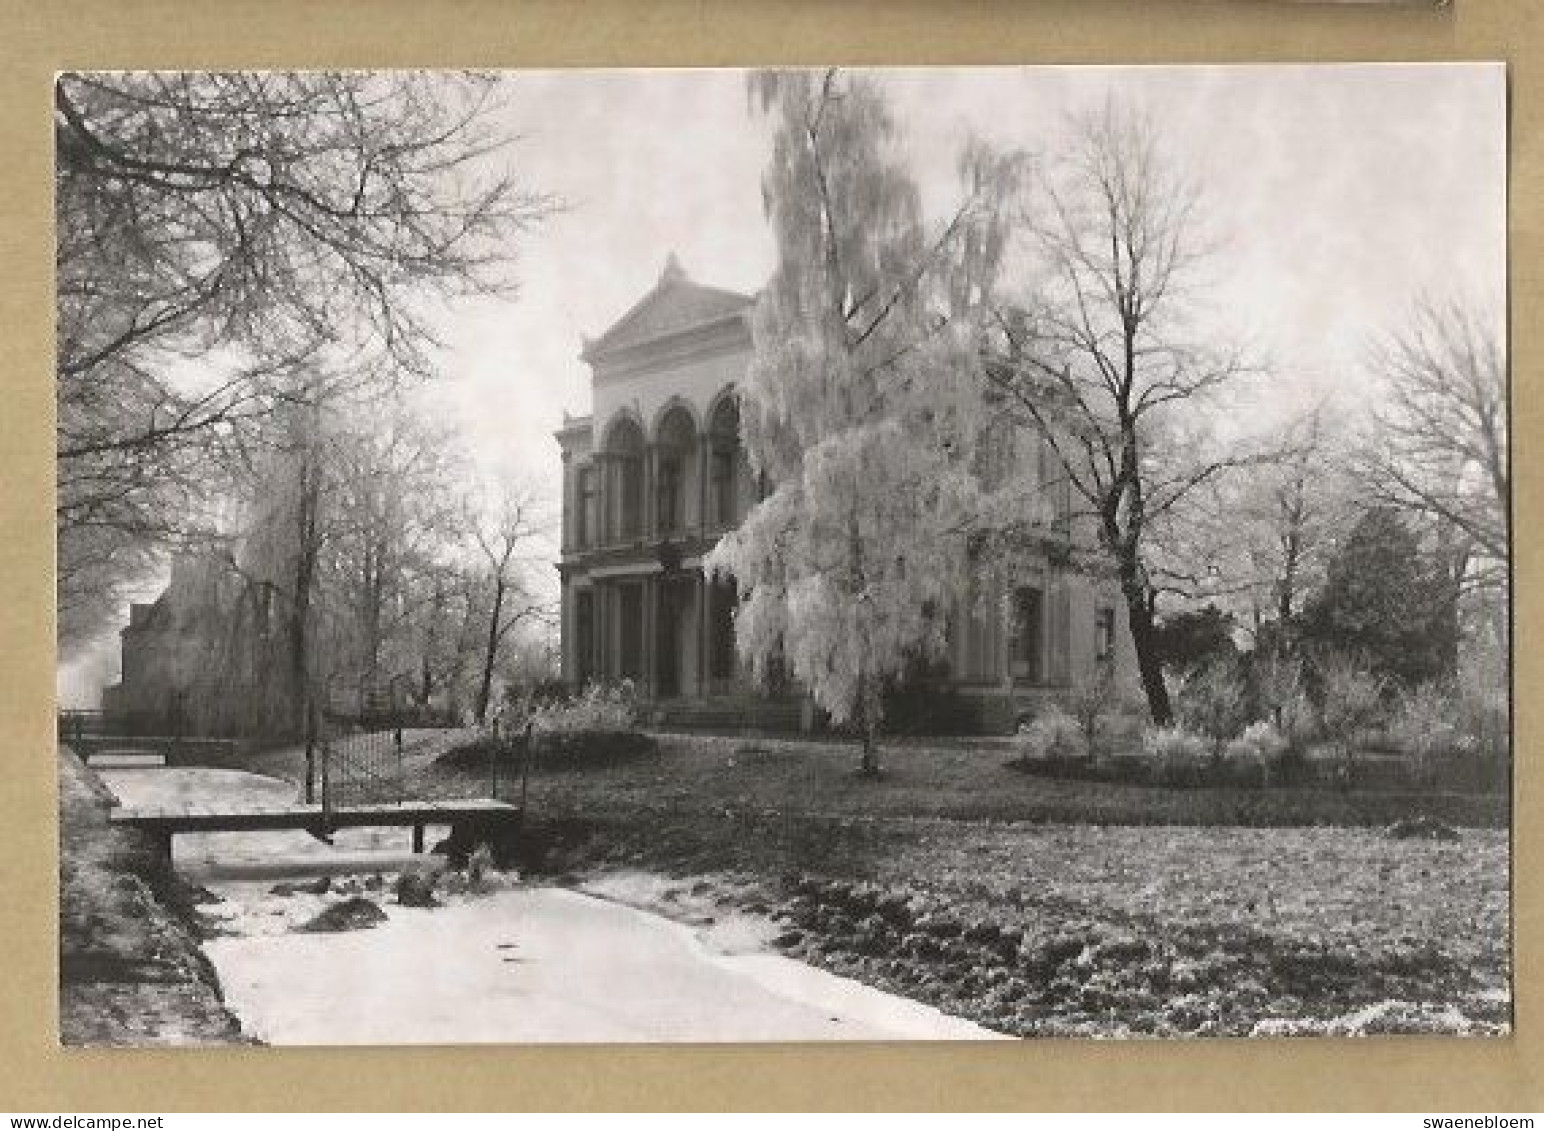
{"x":75,"y":725}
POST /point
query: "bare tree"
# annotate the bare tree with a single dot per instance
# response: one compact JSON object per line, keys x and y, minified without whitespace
{"x":398,"y":512}
{"x":277,"y":544}
{"x":220,"y":235}
{"x":1108,"y":368}
{"x":1438,"y":447}
{"x":443,"y":630}
{"x":511,"y":529}
{"x":1283,"y":518}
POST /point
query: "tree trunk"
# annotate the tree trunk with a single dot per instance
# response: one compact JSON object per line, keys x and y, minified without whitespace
{"x":304,"y":580}
{"x":485,"y":686}
{"x":868,"y":722}
{"x":869,"y":764}
{"x":1139,"y":615}
{"x":425,"y":682}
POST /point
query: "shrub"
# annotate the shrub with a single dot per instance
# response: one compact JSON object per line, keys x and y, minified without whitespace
{"x":1090,"y":702}
{"x":599,"y":709}
{"x":1482,"y":698}
{"x":1283,"y":698}
{"x":1176,"y":756}
{"x":597,"y":726}
{"x":1260,"y":740}
{"x":1351,"y":700}
{"x":577,"y":749}
{"x":1162,"y":744}
{"x":1051,"y":736}
{"x":1298,"y":722}
{"x":1251,"y":756}
{"x":1424,"y":724}
{"x":1212,"y":703}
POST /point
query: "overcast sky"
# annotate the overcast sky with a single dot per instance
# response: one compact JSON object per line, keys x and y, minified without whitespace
{"x":1341,"y":193}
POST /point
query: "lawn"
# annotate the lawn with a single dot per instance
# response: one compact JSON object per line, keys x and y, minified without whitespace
{"x":955,"y":779}
{"x":1045,"y":907}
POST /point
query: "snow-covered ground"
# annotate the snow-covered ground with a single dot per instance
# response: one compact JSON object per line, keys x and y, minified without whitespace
{"x":521,"y":964}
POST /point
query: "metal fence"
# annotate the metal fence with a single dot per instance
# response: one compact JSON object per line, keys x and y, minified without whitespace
{"x":402,"y":765}
{"x":363,"y":769}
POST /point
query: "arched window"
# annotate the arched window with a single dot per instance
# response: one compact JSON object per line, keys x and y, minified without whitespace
{"x":724,"y":464}
{"x":675,"y":472}
{"x":624,"y":456}
{"x":586,"y":529}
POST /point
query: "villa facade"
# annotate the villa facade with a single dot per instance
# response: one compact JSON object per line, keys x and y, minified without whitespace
{"x":656,"y":474}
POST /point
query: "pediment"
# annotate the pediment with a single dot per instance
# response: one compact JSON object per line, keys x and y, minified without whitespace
{"x":675,"y":305}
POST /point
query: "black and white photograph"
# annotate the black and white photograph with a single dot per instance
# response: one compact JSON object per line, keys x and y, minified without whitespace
{"x":737,"y":555}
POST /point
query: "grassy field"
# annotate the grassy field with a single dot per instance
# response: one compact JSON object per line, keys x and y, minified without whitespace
{"x":958,"y":780}
{"x":1045,"y":907}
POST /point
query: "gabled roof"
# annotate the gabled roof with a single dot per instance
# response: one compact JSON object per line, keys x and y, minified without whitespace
{"x":676,"y":304}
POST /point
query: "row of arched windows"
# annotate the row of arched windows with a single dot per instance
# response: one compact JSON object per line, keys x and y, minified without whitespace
{"x":690,"y":479}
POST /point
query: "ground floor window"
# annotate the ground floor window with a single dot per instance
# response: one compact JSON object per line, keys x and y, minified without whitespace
{"x":668,"y":493}
{"x":630,"y":625}
{"x":670,"y":617}
{"x":586,"y":516}
{"x":1104,"y":634}
{"x":1028,"y":635}
{"x":584,"y":637}
{"x":721,"y":602}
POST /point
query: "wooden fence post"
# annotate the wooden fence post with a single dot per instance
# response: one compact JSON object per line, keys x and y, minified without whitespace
{"x":493,"y":763}
{"x":525,"y":764}
{"x":310,"y":751}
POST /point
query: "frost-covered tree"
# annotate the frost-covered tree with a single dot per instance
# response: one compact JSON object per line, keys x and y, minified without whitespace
{"x":336,"y":543}
{"x":398,"y":509}
{"x":1437,"y":448}
{"x":1275,"y":525}
{"x":857,"y":406}
{"x":224,"y":236}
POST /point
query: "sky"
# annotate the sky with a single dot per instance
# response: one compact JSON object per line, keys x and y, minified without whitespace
{"x":1337,"y":195}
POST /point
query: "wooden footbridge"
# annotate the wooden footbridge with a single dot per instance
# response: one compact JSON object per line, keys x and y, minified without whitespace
{"x":368,"y":779}
{"x":470,"y":820}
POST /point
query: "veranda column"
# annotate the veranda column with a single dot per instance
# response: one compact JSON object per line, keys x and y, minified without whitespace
{"x":650,"y":470}
{"x":1003,"y":626}
{"x":565,"y":629}
{"x":649,"y":648}
{"x":1060,"y":601}
{"x":704,"y":463}
{"x":566,"y":538}
{"x":702,"y":632}
{"x":602,"y":630}
{"x":602,"y":531}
